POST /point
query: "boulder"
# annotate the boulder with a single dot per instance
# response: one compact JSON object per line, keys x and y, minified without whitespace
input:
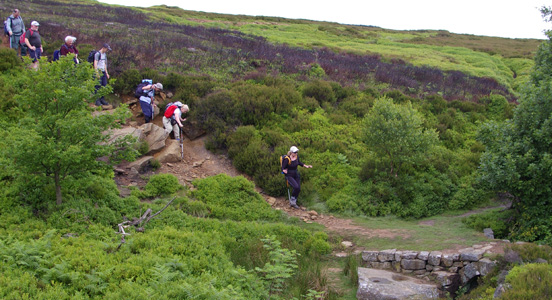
{"x":448,"y":281}
{"x":488,"y":232}
{"x":484,"y":266}
{"x":468,"y":272}
{"x":154,"y":136}
{"x":140,"y":164}
{"x":171,"y":153}
{"x":379,"y":284}
{"x":122,"y":132}
{"x":192,"y":131}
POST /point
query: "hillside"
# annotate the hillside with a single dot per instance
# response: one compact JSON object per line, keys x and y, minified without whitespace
{"x":418,"y":63}
{"x":418,"y":140}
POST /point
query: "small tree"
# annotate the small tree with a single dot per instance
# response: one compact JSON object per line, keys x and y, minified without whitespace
{"x":57,"y":137}
{"x":395,"y":132}
{"x":281,"y":266}
{"x":518,"y":156}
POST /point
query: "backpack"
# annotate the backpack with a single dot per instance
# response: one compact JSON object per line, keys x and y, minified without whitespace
{"x":139,"y":91}
{"x":91,"y":56}
{"x":6,"y":32}
{"x":56,"y":54}
{"x":169,"y":110}
{"x":22,"y":37}
{"x":282,"y":161}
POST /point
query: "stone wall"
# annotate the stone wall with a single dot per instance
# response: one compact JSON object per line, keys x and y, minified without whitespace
{"x":449,"y":270}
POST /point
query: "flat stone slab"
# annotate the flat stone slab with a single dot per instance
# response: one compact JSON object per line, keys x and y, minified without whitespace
{"x":376,"y":284}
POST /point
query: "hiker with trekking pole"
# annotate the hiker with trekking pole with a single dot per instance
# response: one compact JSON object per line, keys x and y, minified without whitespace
{"x":290,"y":162}
{"x":172,"y":120}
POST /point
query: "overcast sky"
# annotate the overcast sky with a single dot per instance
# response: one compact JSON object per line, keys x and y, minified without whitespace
{"x":502,"y":18}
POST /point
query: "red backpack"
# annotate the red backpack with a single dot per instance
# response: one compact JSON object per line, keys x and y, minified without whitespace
{"x":22,"y":37}
{"x":170,"y":111}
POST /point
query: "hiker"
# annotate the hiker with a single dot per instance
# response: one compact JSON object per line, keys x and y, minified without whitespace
{"x":100,"y":65}
{"x":147,"y":99}
{"x":69,"y":47}
{"x":16,"y":28}
{"x":289,"y":168}
{"x":34,"y":42}
{"x":172,"y":118}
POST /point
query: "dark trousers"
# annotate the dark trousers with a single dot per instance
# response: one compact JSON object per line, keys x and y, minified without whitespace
{"x":35,"y":54}
{"x":295,"y":182}
{"x":147,"y":109}
{"x":103,"y":82}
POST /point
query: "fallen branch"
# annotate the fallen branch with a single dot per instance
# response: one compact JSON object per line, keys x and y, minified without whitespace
{"x":145,"y":218}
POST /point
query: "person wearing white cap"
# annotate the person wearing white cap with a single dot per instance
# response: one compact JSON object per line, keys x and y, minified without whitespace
{"x":34,"y":42}
{"x":147,"y":99}
{"x":289,"y":168}
{"x":172,"y":118}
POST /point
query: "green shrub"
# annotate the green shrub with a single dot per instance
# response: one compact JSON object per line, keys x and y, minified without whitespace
{"x":320,"y":90}
{"x":9,"y":60}
{"x":162,"y":184}
{"x":530,"y":281}
{"x":496,"y":220}
{"x":127,"y":81}
{"x":233,"y":198}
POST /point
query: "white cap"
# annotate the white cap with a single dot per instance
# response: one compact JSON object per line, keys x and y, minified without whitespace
{"x":158,"y":86}
{"x":294,"y":149}
{"x":34,"y":23}
{"x":178,"y":103}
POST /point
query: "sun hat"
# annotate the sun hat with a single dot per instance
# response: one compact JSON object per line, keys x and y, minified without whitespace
{"x":294,"y":149}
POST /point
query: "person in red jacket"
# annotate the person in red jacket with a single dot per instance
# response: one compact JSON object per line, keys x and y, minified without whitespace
{"x":172,"y":119}
{"x":69,"y":47}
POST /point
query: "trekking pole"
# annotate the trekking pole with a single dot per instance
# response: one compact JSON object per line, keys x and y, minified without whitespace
{"x":289,"y":195}
{"x":181,"y":144}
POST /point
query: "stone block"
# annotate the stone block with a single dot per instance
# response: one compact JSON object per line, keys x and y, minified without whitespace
{"x":379,"y":284}
{"x":434,"y":258}
{"x":386,"y":255}
{"x":468,"y":272}
{"x":413,"y":264}
{"x":398,"y":255}
{"x":423,"y":255}
{"x":447,"y":260}
{"x":472,"y":255}
{"x":370,"y":255}
{"x":409,"y":255}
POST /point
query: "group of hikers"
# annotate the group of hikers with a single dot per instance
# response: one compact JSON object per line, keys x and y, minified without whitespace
{"x":22,"y":40}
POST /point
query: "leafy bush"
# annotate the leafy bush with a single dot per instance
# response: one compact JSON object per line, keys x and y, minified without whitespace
{"x":8,"y":60}
{"x":322,"y":91}
{"x":162,"y":184}
{"x":233,"y":198}
{"x":530,"y":281}
{"x":498,"y":221}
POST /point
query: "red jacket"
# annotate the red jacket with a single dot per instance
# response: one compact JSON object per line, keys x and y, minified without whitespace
{"x":65,"y":49}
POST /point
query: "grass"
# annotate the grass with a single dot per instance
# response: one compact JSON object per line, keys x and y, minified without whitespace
{"x":446,"y":232}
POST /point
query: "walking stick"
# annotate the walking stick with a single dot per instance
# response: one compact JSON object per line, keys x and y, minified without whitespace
{"x":181,"y":145}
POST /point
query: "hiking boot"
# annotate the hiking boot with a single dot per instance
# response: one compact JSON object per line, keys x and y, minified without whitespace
{"x":293,"y":202}
{"x":295,"y":206}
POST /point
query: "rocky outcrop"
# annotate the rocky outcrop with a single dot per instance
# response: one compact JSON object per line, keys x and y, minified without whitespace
{"x":154,"y":136}
{"x":379,"y":284}
{"x":169,"y":154}
{"x":449,"y":271}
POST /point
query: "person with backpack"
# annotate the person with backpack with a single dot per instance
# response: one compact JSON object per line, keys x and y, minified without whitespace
{"x":147,"y":95}
{"x":290,"y":162}
{"x":69,"y":47}
{"x":33,"y":41}
{"x":172,"y":118}
{"x":100,"y":65}
{"x":15,"y":29}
